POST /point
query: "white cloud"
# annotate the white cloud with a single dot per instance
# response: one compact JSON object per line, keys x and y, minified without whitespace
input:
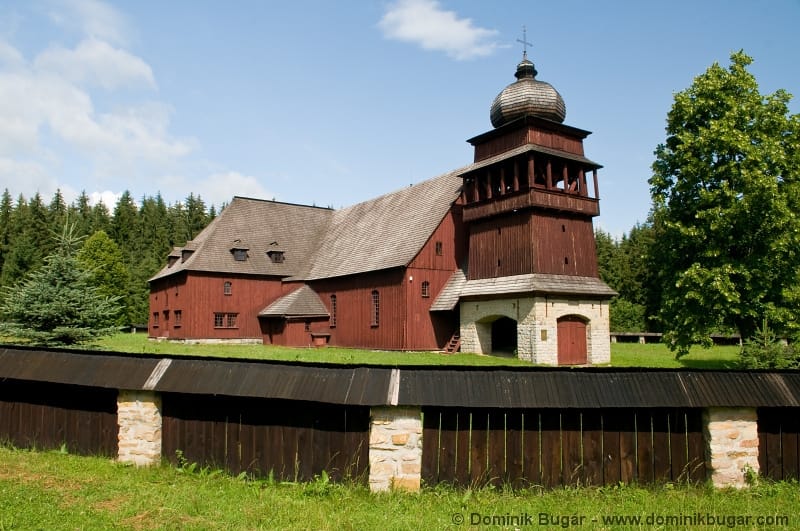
{"x":92,"y":18}
{"x":221,"y":187}
{"x":106,"y":197}
{"x":426,"y":23}
{"x":97,"y":63}
{"x":46,"y":115}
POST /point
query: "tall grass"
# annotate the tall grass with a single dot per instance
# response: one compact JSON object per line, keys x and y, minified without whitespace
{"x":49,"y":490}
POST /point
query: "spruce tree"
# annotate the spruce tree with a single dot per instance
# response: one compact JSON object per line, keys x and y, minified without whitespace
{"x":57,"y":304}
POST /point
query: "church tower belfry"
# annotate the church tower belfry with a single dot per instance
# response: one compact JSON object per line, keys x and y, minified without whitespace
{"x":528,"y":202}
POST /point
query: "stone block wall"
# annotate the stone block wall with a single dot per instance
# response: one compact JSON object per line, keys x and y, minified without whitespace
{"x":395,"y":448}
{"x":537,"y":326}
{"x":732,"y":445}
{"x":139,"y":420}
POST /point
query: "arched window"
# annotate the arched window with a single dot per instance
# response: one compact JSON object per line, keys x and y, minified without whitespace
{"x":227,"y":288}
{"x":376,"y":308}
{"x":426,"y":289}
{"x":333,"y":311}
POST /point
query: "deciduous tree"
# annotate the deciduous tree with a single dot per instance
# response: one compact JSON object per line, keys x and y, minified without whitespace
{"x":726,"y":207}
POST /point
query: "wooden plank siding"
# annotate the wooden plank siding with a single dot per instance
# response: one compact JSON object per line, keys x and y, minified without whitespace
{"x":354,"y":309}
{"x":524,"y":243}
{"x":46,"y":416}
{"x":290,"y":440}
{"x":560,"y":447}
{"x":561,"y":140}
{"x":779,"y":443}
{"x":200,"y":295}
{"x":424,"y":330}
{"x":501,"y":246}
{"x":564,"y":245}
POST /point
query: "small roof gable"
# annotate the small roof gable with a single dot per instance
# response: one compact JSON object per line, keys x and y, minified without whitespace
{"x":385,"y":232}
{"x":303,"y":302}
{"x":255,"y":226}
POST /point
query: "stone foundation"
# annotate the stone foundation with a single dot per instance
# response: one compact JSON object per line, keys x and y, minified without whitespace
{"x":537,"y":326}
{"x":732,"y":445}
{"x":139,"y":420}
{"x":395,"y":448}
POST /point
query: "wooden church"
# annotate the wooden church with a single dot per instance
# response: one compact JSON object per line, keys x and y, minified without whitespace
{"x":496,"y":257}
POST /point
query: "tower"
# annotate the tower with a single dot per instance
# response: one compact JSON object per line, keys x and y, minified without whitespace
{"x":531,"y":282}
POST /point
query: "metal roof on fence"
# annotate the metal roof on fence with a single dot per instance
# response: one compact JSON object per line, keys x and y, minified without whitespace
{"x":95,"y":369}
{"x":508,"y":387}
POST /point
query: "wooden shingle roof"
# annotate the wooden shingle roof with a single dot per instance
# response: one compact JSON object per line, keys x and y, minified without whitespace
{"x":256,"y":226}
{"x":459,"y":287}
{"x":302,"y":302}
{"x":384,"y":232}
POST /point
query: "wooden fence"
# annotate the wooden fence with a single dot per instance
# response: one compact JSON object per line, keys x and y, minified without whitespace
{"x":47,"y":416}
{"x":778,"y":448}
{"x":291,"y":440}
{"x":562,"y":447}
{"x":297,"y":440}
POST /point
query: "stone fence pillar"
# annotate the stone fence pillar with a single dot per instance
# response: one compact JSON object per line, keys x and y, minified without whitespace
{"x":139,"y":420}
{"x":732,"y":445}
{"x":395,"y":448}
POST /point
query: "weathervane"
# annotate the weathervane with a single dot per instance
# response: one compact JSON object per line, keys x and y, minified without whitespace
{"x":524,"y":42}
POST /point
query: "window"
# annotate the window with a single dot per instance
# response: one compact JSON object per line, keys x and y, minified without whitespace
{"x":308,"y":326}
{"x":155,"y":319}
{"x":240,"y":255}
{"x":376,"y":308}
{"x":225,"y":320}
{"x":426,"y":289}
{"x":276,"y":256}
{"x":178,"y":318}
{"x":227,"y":288}
{"x":438,"y":248}
{"x":333,"y":311}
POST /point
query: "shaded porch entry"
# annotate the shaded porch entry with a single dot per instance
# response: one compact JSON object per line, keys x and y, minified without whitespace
{"x":572,"y":340}
{"x":504,"y":336}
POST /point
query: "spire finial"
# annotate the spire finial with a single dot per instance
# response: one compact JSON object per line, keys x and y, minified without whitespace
{"x":524,"y":42}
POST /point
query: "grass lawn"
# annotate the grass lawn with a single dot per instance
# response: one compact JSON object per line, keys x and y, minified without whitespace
{"x":622,"y":354}
{"x":51,"y":490}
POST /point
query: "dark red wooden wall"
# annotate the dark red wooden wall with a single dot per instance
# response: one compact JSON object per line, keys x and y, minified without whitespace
{"x":564,"y":245}
{"x":199,"y":295}
{"x":526,"y":242}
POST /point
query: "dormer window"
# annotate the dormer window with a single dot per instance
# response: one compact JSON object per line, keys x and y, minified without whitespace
{"x":276,"y":257}
{"x":185,"y":254}
{"x":239,"y":250}
{"x":171,"y":260}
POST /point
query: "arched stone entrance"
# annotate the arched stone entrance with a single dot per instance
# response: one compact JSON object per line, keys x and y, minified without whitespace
{"x":504,"y":336}
{"x":572,"y":340}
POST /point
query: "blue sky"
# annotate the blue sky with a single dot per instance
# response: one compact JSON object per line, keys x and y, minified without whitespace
{"x":332,"y":103}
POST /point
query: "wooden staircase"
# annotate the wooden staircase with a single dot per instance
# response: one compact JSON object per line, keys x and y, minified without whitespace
{"x":454,"y":345}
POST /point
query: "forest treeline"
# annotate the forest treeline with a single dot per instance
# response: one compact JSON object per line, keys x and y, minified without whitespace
{"x":128,"y":244}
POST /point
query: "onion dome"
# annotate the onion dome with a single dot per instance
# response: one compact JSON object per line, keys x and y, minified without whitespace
{"x":527,"y":96}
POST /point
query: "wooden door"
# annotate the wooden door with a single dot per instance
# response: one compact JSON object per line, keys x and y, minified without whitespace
{"x":571,"y":341}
